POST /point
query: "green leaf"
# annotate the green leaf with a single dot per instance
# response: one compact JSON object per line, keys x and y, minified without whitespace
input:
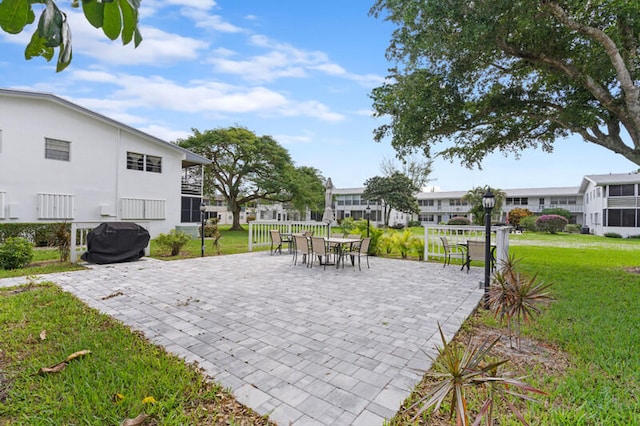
{"x":15,"y":15}
{"x":94,"y":12}
{"x":129,"y":21}
{"x":38,"y":47}
{"x":50,"y":25}
{"x":112,"y":23}
{"x":65,"y":54}
{"x":137,"y":38}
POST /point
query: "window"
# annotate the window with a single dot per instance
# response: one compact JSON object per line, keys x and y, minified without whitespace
{"x":135,"y":161}
{"x":622,"y":190}
{"x":517,"y":201}
{"x":563,"y":201}
{"x":154,"y":164}
{"x":621,"y":217}
{"x":457,"y":202}
{"x":56,"y":149}
{"x":425,"y":203}
{"x":142,"y":162}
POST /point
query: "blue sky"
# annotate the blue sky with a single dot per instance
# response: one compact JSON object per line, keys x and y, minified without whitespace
{"x":299,"y":71}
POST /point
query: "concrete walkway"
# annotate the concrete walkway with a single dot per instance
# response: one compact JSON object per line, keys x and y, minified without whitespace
{"x":306,"y":346}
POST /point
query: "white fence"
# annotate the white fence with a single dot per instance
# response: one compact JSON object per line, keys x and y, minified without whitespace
{"x":461,"y":234}
{"x":79,"y":232}
{"x":259,"y":235}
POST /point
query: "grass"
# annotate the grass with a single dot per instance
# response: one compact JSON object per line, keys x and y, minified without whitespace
{"x":595,"y":320}
{"x":122,"y":377}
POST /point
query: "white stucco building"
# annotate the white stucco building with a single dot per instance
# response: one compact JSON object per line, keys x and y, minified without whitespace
{"x":612,"y":203}
{"x":62,"y":162}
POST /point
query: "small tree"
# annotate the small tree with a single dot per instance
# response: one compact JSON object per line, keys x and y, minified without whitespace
{"x":528,"y":223}
{"x":551,"y":223}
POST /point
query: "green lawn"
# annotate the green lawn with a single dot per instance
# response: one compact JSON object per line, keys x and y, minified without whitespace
{"x":596,"y":320}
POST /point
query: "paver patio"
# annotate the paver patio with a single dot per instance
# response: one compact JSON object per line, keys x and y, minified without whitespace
{"x":305,"y":345}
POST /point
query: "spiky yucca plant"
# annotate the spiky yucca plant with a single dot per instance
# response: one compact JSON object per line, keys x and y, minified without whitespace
{"x":515,"y":297}
{"x":459,"y":368}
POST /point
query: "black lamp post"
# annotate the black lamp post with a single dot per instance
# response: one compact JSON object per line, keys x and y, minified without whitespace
{"x":488,"y":202}
{"x":202,"y":209}
{"x":368,"y":214}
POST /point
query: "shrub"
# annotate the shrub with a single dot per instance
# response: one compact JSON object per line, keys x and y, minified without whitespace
{"x":401,"y":241}
{"x":558,"y":211}
{"x":15,"y":253}
{"x":612,"y":235}
{"x":459,"y":220}
{"x":173,"y":241}
{"x":516,"y":215}
{"x":417,"y":247}
{"x":573,"y":228}
{"x":347,"y":225}
{"x":61,"y":238}
{"x":528,"y":223}
{"x":374,"y":233}
{"x":551,"y":223}
{"x":634,"y":236}
{"x":414,"y":224}
{"x":397,"y":226}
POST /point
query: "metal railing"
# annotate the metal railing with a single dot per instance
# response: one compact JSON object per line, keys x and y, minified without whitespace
{"x":259,"y":235}
{"x":79,"y":232}
{"x":460,"y":235}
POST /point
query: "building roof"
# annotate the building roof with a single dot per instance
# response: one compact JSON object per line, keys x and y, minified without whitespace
{"x":189,"y":159}
{"x":609,"y":179}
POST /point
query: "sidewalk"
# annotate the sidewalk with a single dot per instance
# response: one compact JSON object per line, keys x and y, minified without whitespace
{"x":306,"y":346}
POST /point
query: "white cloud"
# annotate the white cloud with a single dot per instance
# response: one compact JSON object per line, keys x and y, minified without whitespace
{"x":165,"y":133}
{"x":285,"y":61}
{"x":197,"y":97}
{"x":214,"y":22}
{"x":294,"y":139}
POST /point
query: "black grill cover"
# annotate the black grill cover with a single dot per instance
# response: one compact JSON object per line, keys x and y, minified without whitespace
{"x":113,"y":242}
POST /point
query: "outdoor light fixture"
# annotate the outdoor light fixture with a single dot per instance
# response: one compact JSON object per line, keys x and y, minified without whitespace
{"x":488,"y":202}
{"x":202,"y":209}
{"x":368,"y":214}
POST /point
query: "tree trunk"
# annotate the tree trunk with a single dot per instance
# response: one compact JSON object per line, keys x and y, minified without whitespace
{"x":235,"y":210}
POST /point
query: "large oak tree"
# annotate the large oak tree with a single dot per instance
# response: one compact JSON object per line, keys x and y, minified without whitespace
{"x":117,"y":18}
{"x":246,"y":167}
{"x":474,"y":77}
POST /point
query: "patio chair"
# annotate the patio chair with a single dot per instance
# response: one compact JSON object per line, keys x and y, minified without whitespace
{"x":359,"y":249}
{"x":475,"y":251}
{"x":452,"y":250}
{"x":276,"y":241}
{"x":319,"y":248}
{"x":302,"y":247}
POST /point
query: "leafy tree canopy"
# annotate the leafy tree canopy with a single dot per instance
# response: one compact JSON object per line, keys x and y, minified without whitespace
{"x":117,"y":18}
{"x":396,"y":191}
{"x":246,"y":167}
{"x":474,"y":199}
{"x":505,"y":75}
{"x":415,"y":168}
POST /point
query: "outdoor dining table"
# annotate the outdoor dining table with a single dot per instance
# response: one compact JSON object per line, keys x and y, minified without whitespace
{"x":340,"y":244}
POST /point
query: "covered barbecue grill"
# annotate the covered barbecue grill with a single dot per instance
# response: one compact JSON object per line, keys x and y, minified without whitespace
{"x":114,"y":242}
